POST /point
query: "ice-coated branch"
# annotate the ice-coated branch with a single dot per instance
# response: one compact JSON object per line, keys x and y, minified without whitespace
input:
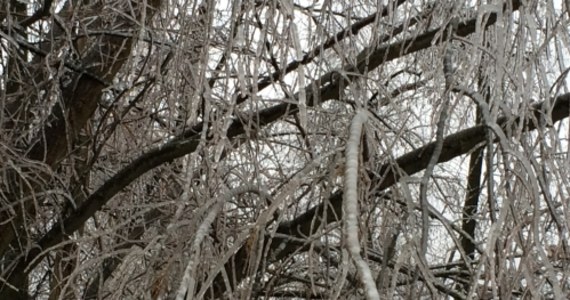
{"x":351,"y":211}
{"x":186,"y":289}
{"x":439,"y":136}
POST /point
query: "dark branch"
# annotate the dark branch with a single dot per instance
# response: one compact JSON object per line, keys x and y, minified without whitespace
{"x":331,"y":82}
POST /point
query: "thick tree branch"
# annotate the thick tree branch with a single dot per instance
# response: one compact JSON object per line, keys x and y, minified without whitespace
{"x":316,"y":51}
{"x":454,"y":145}
{"x":69,"y":115}
{"x":331,"y":83}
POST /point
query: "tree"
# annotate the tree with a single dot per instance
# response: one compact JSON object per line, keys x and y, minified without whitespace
{"x":181,"y":149}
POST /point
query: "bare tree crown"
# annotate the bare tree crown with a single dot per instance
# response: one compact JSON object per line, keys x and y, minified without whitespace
{"x":397,"y":149}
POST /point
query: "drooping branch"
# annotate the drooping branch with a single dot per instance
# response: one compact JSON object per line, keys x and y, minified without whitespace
{"x":80,"y":99}
{"x":187,"y":285}
{"x":316,"y":51}
{"x":473,"y":193}
{"x":368,"y":59}
{"x":352,"y":243}
{"x":187,"y":142}
{"x":73,"y":109}
{"x":454,"y":145}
